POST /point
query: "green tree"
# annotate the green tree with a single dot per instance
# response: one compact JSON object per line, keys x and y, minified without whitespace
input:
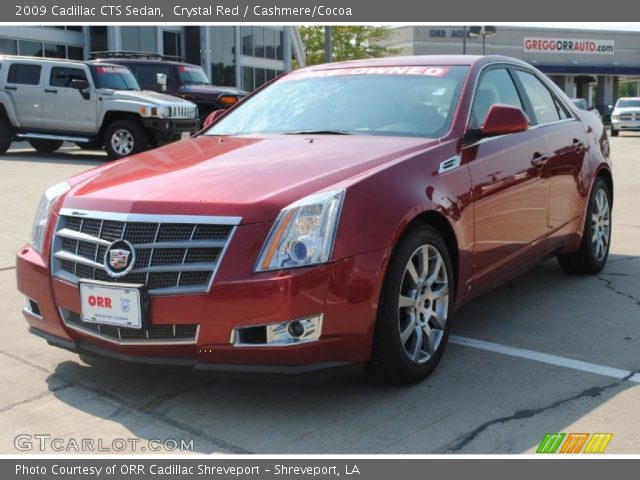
{"x":347,"y":43}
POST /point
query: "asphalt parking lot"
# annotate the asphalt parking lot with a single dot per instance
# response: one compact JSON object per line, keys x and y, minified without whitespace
{"x":546,"y":353}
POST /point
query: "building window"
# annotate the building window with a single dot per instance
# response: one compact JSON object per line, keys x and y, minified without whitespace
{"x":27,"y":48}
{"x":258,"y":38}
{"x":98,"y":39}
{"x":247,"y":40}
{"x":8,"y":46}
{"x":75,"y":53}
{"x":140,"y":39}
{"x":279,"y":45}
{"x":54,"y":51}
{"x":248,"y":83}
{"x":172,"y":43}
{"x":223,"y":57}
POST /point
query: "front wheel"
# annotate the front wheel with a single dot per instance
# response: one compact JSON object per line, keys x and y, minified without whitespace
{"x":6,"y":134}
{"x":125,"y":137}
{"x":614,"y":133}
{"x":596,"y":237}
{"x":46,"y":146}
{"x":413,"y":322}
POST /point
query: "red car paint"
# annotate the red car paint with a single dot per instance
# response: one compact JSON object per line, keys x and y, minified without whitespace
{"x":500,"y":211}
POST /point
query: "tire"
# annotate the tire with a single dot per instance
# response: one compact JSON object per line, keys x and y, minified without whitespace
{"x":6,"y":134}
{"x":596,"y":238}
{"x":614,"y":133}
{"x":90,"y":146}
{"x":402,"y":362}
{"x":46,"y":146}
{"x":125,"y":137}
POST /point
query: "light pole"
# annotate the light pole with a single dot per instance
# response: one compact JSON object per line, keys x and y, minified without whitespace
{"x":485,"y":31}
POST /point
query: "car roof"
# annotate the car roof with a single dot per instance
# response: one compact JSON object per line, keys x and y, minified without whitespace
{"x":42,"y":59}
{"x":420,"y":60}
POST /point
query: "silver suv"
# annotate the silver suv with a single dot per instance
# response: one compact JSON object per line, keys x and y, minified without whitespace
{"x":49,"y":101}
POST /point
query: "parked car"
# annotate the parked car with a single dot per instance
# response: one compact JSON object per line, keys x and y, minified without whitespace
{"x":625,"y":115}
{"x":50,"y":101}
{"x":305,"y":231}
{"x":582,"y":104}
{"x":167,"y":75}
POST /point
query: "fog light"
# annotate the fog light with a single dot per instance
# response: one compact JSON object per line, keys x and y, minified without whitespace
{"x":293,"y":332}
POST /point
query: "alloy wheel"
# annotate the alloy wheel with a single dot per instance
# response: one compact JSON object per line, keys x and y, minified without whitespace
{"x":600,"y":225}
{"x":122,"y":142}
{"x":423,"y":304}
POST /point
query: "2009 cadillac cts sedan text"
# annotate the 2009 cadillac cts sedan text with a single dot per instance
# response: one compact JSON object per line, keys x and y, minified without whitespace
{"x":339,"y":215}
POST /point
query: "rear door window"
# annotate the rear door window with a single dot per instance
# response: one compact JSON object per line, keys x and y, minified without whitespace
{"x":545,"y":107}
{"x":24,"y":74}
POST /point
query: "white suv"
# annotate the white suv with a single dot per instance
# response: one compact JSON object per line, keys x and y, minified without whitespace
{"x":50,"y":101}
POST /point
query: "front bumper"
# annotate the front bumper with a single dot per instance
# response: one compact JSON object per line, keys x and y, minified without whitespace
{"x":345,"y":292}
{"x":170,"y":129}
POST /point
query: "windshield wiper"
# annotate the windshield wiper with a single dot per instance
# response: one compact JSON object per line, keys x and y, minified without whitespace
{"x":319,"y":132}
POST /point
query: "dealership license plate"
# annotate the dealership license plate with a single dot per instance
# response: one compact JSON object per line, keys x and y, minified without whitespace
{"x":110,"y":305}
{"x":185,"y":135}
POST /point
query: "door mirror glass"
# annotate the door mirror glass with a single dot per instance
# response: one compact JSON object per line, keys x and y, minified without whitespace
{"x":504,"y":119}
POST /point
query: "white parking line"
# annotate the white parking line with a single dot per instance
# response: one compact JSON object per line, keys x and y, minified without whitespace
{"x":546,"y":358}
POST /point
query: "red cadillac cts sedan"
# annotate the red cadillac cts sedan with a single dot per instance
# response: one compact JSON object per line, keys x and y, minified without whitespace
{"x":339,"y":215}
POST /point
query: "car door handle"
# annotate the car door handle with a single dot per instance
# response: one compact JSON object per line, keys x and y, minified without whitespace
{"x":539,"y":160}
{"x":11,"y":88}
{"x":48,"y":90}
{"x":577,"y":144}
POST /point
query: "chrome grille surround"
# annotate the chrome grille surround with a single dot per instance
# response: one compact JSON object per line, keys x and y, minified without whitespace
{"x":175,"y":254}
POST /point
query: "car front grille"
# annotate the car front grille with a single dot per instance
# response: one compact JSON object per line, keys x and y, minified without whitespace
{"x":173,"y":254}
{"x":171,"y":333}
{"x":630,"y":116}
{"x":184,"y":111}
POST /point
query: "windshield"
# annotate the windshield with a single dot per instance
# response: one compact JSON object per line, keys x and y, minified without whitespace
{"x":192,"y":75}
{"x":635,"y":103}
{"x":115,"y":78}
{"x":396,"y":101}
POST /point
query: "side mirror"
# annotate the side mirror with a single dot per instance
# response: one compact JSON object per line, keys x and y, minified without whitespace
{"x":161,"y":79}
{"x":504,"y":119}
{"x":212,"y":117}
{"x":79,"y":84}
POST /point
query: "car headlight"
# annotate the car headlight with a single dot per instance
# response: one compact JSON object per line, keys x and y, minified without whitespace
{"x":303,"y":234}
{"x":43,"y":213}
{"x":164,"y":112}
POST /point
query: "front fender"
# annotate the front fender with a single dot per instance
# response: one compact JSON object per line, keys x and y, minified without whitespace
{"x":379,"y":206}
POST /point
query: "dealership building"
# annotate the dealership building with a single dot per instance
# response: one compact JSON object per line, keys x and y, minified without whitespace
{"x":239,"y":56}
{"x":598,"y":65}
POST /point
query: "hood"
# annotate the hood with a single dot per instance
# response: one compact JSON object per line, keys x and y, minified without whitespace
{"x":250,"y":177}
{"x":147,"y":96}
{"x":210,"y":90}
{"x":619,"y":111}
